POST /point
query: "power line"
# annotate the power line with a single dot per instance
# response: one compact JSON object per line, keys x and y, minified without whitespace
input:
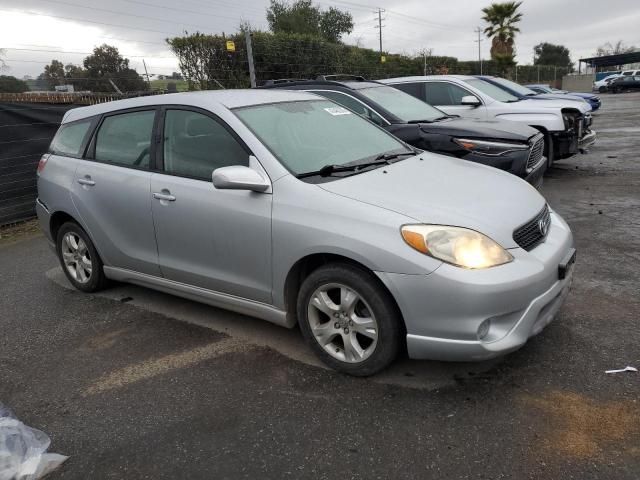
{"x":129,"y":14}
{"x":82,"y":53}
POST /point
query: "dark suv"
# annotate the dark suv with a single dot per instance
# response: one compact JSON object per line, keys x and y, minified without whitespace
{"x":623,"y":84}
{"x":509,"y":146}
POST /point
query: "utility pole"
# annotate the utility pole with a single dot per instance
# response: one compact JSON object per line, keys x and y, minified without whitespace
{"x":379,"y":27}
{"x":146,"y":74}
{"x":252,"y":68}
{"x":479,"y":32}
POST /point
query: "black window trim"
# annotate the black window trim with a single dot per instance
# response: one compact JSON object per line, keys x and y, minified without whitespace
{"x":85,"y":140}
{"x":159,"y":138}
{"x":90,"y":153}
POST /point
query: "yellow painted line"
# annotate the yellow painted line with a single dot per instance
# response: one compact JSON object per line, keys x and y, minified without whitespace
{"x":162,"y":365}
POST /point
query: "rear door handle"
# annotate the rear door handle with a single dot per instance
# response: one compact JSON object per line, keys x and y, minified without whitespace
{"x":86,"y":181}
{"x":164,"y":196}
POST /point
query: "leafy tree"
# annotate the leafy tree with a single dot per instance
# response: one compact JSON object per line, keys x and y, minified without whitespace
{"x":303,"y":17}
{"x":75,"y":75}
{"x":53,"y":74}
{"x":10,"y":84}
{"x":3,"y":65}
{"x":502,"y":19}
{"x":613,"y":49}
{"x":106,"y":64}
{"x":550,"y":54}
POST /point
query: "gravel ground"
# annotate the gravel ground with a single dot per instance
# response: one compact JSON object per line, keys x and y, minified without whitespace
{"x":130,"y":392}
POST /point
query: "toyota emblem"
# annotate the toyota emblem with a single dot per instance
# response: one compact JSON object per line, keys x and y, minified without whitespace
{"x":543,"y":226}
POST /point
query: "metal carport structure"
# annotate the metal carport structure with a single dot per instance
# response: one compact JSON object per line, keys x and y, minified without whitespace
{"x":610,"y":60}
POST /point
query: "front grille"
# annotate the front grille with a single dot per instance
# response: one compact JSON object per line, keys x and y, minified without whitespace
{"x":532,"y":233}
{"x":536,"y":152}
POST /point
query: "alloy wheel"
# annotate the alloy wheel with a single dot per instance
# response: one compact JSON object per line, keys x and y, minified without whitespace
{"x":342,"y":323}
{"x":76,"y":257}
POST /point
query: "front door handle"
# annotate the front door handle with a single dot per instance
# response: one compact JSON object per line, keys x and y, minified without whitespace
{"x":86,"y":181}
{"x":164,"y":196}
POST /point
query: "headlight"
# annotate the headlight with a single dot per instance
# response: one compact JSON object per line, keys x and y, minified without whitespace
{"x":455,"y":245}
{"x":485,"y":147}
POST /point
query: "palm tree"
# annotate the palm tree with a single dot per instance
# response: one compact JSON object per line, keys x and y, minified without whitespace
{"x":502,"y":19}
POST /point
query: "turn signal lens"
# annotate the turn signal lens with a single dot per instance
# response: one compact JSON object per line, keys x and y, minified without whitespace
{"x":455,"y":245}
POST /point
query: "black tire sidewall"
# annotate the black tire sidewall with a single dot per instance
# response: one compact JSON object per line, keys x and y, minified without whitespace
{"x":97,"y":279}
{"x":379,"y":300}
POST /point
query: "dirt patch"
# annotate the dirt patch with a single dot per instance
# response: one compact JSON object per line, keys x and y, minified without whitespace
{"x":582,"y":428}
{"x":17,"y":231}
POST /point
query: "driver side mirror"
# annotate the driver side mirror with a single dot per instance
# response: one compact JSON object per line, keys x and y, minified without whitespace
{"x":238,"y":177}
{"x":470,"y":101}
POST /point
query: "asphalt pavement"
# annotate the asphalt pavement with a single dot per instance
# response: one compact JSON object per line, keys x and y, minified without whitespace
{"x":133,"y":384}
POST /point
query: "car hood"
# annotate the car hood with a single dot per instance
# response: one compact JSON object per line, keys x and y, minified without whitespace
{"x":530,"y":105}
{"x":571,"y":100}
{"x":447,"y":191}
{"x":497,"y":129}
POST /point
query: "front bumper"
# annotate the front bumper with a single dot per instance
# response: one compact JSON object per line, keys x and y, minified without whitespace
{"x":587,"y":140}
{"x":515,"y":163}
{"x":444,"y":311}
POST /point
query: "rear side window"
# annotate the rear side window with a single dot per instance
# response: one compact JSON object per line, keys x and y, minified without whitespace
{"x":125,"y":139}
{"x":195,"y":145}
{"x":69,"y":138}
{"x":415,"y":89}
{"x":441,"y":93}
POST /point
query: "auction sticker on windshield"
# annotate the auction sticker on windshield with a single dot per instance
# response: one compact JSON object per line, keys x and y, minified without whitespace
{"x":337,"y":111}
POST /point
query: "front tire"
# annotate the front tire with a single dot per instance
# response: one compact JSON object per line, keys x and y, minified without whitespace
{"x":79,"y":258}
{"x":349,"y":319}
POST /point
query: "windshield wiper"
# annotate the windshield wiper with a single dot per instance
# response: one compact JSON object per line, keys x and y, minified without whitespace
{"x":382,"y":159}
{"x":389,"y":156}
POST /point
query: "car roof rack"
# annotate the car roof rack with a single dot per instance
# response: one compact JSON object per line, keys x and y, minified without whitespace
{"x":283,"y":80}
{"x":328,"y":78}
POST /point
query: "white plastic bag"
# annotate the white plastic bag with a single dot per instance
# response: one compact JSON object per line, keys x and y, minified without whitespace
{"x":23,"y":450}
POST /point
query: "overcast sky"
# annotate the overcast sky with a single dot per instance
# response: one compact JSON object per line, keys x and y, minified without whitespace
{"x":138,"y":27}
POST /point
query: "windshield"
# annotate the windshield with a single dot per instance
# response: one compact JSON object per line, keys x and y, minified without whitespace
{"x":492,"y":90}
{"x":404,"y":106}
{"x":516,"y":87}
{"x":307,"y":135}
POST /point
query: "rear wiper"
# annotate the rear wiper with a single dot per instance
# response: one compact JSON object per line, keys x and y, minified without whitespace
{"x":382,"y":159}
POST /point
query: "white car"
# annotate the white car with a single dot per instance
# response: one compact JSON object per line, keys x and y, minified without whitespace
{"x":565,"y":124}
{"x":601,"y":85}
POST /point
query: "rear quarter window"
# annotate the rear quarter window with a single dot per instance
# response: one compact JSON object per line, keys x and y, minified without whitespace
{"x":69,"y":139}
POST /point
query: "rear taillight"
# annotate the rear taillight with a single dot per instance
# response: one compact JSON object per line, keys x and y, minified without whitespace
{"x":42,"y":163}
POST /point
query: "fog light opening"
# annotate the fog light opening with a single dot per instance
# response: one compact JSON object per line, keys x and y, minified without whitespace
{"x":483,"y":329}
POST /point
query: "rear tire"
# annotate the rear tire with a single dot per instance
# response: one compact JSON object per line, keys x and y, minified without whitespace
{"x":602,"y":89}
{"x":79,"y":258}
{"x":350,"y":321}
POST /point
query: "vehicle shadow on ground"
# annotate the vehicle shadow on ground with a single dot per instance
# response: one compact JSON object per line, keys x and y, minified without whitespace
{"x":424,"y":375}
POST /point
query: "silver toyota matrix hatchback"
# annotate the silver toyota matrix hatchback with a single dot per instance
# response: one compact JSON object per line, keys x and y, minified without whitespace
{"x":286,"y":206}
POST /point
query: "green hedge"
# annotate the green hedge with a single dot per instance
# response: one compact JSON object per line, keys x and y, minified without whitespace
{"x":206,"y":64}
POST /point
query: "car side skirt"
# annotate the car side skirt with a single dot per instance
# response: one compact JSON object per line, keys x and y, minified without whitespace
{"x":210,"y":297}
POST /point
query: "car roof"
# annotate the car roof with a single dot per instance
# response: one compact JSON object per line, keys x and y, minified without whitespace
{"x":427,"y":77}
{"x":206,"y":98}
{"x":351,"y":84}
